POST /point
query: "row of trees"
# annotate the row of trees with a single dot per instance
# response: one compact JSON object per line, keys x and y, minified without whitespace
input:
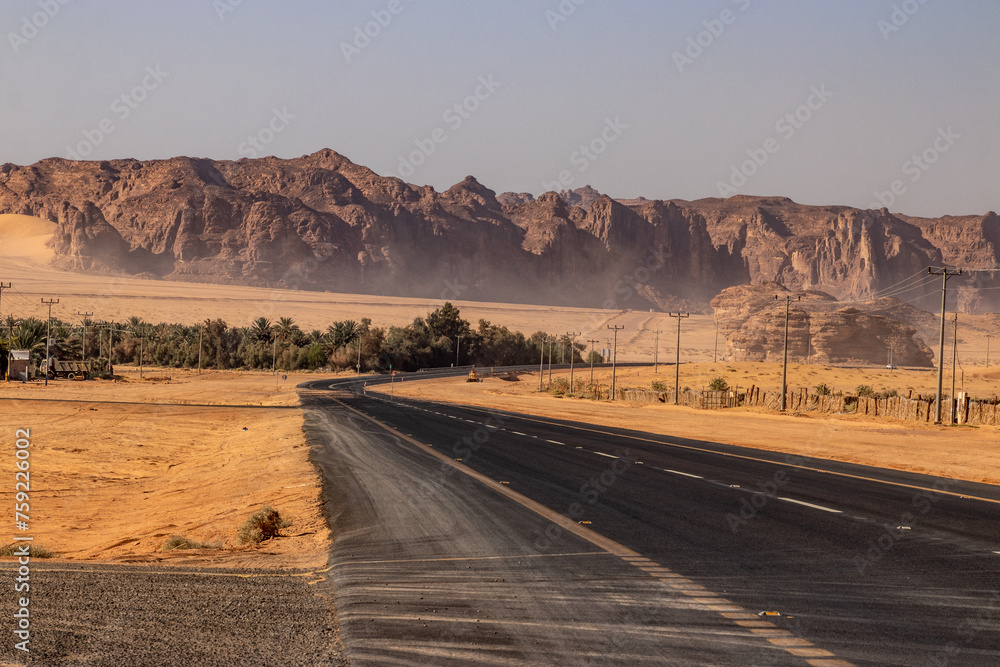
{"x":440,"y":339}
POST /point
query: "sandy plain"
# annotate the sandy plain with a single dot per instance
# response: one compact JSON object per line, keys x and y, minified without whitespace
{"x":117,"y":468}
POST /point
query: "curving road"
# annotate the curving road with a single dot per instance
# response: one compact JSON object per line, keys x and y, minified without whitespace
{"x":568,"y":542}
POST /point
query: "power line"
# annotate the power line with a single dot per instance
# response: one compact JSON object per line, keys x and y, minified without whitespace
{"x":901,"y":282}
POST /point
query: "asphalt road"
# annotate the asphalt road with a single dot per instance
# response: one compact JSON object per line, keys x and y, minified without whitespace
{"x":869,"y":566}
{"x":432,"y":567}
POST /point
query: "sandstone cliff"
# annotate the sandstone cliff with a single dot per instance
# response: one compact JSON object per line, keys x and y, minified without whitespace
{"x":323,"y":222}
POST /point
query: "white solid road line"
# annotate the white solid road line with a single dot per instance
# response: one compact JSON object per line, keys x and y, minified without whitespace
{"x":805,"y":504}
{"x":685,"y":474}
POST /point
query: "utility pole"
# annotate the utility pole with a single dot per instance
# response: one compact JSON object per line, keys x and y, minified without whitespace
{"x":48,"y":337}
{"x":716,"y":357}
{"x":111,"y":349}
{"x":550,"y":361}
{"x":614,"y":358}
{"x":10,"y":337}
{"x":458,"y":350}
{"x":677,"y":362}
{"x":656,"y":352}
{"x":784,"y":361}
{"x":945,"y":274}
{"x":541,"y":362}
{"x":592,"y":343}
{"x":359,"y":354}
{"x":572,"y":339}
{"x":2,"y":288}
{"x":84,"y":352}
{"x":988,"y":336}
{"x":142,"y":340}
{"x":954,"y":367}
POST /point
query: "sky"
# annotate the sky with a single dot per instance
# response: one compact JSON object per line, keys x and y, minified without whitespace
{"x":864,"y":103}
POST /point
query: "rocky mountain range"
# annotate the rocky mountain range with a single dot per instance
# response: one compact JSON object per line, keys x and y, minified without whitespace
{"x":322,"y":222}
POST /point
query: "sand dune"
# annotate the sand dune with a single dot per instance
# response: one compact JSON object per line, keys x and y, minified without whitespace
{"x":24,"y":237}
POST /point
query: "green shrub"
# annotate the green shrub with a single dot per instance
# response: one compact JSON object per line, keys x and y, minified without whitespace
{"x":864,"y":390}
{"x":659,"y":385}
{"x":718,"y":384}
{"x":182,"y":542}
{"x":823,"y":390}
{"x":262,"y":525}
{"x":559,"y":386}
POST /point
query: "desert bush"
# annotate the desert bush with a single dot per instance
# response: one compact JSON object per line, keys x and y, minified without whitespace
{"x":262,"y":525}
{"x":182,"y":542}
{"x":718,"y":384}
{"x":10,"y":551}
{"x":559,"y":386}
{"x":659,"y":385}
{"x":888,"y":393}
{"x":864,"y":390}
{"x":823,"y":390}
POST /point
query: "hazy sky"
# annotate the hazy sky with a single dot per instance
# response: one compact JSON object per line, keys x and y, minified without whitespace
{"x":824,"y":102}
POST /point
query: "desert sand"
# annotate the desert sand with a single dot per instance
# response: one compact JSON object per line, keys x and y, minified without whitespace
{"x":118,"y":468}
{"x":968,"y":453}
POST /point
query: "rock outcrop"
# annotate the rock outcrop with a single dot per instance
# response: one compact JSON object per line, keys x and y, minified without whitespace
{"x":820,"y":329}
{"x":322,"y":222}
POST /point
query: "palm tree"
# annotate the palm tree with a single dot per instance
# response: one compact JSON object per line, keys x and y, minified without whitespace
{"x":30,"y":335}
{"x":261,"y":330}
{"x":285,"y":329}
{"x":342,"y":333}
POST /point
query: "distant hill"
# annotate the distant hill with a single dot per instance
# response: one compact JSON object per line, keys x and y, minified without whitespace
{"x":322,"y":222}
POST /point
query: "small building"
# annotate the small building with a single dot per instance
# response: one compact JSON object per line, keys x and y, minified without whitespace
{"x":20,"y":363}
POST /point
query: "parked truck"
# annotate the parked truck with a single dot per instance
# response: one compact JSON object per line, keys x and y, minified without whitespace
{"x":71,"y":370}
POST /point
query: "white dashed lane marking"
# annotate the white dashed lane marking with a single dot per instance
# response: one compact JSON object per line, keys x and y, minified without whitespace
{"x":684,"y":474}
{"x":805,"y":504}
